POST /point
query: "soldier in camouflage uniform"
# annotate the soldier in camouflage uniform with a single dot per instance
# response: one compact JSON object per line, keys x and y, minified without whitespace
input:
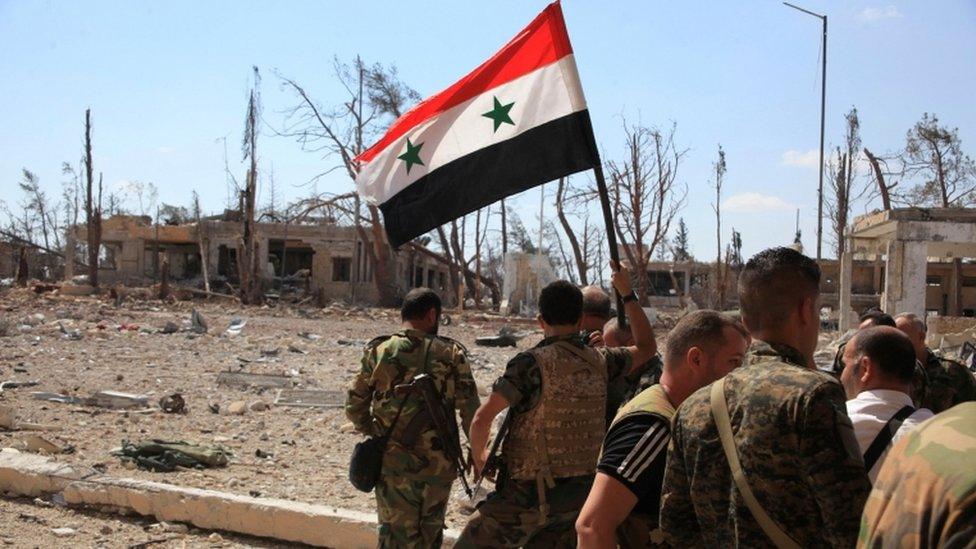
{"x":925,"y":494}
{"x":557,"y":393}
{"x":949,"y":383}
{"x":412,"y":492}
{"x":790,"y":428}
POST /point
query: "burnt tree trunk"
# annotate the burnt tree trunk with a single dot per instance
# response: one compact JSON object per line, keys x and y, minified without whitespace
{"x":93,"y":211}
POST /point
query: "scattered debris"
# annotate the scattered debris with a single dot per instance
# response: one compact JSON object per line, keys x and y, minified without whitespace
{"x":71,"y":335}
{"x":505,"y":340}
{"x":16,"y":385}
{"x":214,"y":408}
{"x":167,"y":456}
{"x":117,"y":401}
{"x":63,"y":532}
{"x":350,"y":342}
{"x":245,"y":380}
{"x":38,"y":444}
{"x":292,"y":348}
{"x":310,"y":398}
{"x":258,"y":406}
{"x":309,"y":336}
{"x":237,"y":408}
{"x":169,"y":328}
{"x":259,"y":453}
{"x":236,"y":326}
{"x":198,"y":324}
{"x":173,"y":404}
{"x":58,"y":397}
{"x":270,"y":352}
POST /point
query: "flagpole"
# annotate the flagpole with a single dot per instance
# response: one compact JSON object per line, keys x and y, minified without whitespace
{"x":601,"y":187}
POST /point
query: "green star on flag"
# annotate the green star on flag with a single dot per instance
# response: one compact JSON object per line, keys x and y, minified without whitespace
{"x":412,"y":155}
{"x":500,"y":114}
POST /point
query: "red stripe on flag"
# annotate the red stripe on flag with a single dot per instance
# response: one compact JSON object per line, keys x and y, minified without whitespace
{"x":543,"y":42}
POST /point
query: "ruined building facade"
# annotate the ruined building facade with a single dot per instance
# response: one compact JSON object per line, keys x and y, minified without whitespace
{"x":329,"y":260}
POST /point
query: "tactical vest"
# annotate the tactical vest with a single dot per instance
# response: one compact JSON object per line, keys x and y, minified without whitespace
{"x":639,"y":530}
{"x":561,"y":436}
{"x":652,"y":400}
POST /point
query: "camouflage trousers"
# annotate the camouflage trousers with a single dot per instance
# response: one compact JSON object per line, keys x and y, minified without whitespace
{"x":510,"y":517}
{"x":411,"y":510}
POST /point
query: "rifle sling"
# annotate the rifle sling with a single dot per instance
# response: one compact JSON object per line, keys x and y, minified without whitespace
{"x":720,"y":412}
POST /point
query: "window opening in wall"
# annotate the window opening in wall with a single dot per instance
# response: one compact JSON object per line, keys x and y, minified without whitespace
{"x":341,"y":267}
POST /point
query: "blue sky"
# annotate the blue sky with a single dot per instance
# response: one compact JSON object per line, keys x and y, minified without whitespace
{"x":166,"y":81}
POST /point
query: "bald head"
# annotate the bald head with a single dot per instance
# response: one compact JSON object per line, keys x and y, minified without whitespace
{"x":615,"y":335}
{"x":596,"y":308}
{"x":913,"y":327}
{"x":878,"y":357}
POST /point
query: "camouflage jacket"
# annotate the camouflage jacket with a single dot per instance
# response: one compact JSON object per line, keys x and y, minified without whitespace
{"x":949,"y":383}
{"x":797,"y":449}
{"x":371,"y":404}
{"x":925,"y":494}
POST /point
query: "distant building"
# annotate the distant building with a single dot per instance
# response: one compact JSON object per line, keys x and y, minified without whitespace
{"x":333,"y":259}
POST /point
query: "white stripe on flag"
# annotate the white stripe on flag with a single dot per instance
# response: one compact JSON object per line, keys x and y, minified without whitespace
{"x":540,"y":96}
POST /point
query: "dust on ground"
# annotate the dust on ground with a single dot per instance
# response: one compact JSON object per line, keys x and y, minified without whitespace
{"x":77,"y":346}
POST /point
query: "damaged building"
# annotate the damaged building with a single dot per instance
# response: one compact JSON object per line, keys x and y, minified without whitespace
{"x":328,"y":260}
{"x":901,"y":260}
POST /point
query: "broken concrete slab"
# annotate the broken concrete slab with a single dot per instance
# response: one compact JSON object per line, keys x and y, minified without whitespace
{"x":245,"y":380}
{"x":318,"y":525}
{"x":117,"y":401}
{"x":310,"y":398}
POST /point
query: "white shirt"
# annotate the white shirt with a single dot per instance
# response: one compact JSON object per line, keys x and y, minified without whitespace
{"x":871,"y":410}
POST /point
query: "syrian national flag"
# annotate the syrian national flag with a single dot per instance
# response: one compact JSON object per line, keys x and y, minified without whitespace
{"x":517,"y":121}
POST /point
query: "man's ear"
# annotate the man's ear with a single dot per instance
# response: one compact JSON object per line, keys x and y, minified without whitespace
{"x":808,"y":311}
{"x":432,"y":317}
{"x":694,"y":358}
{"x":542,"y":323}
{"x":868,"y":371}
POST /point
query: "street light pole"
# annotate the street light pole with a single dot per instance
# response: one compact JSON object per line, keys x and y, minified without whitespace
{"x":823,"y":115}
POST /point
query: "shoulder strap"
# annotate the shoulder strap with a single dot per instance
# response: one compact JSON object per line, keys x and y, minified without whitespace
{"x":389,"y":430}
{"x":881,"y":442}
{"x":720,"y":412}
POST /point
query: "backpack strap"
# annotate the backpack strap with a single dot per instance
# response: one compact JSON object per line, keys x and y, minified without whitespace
{"x":720,"y":413}
{"x":884,"y":438}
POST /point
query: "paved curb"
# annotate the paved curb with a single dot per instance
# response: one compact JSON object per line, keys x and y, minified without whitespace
{"x":320,"y":525}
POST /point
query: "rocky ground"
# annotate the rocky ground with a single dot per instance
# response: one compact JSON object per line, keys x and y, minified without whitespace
{"x":283,"y":452}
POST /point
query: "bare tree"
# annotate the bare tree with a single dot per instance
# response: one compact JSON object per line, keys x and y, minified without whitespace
{"x":841,"y":172}
{"x":248,"y":261}
{"x":93,"y":208}
{"x":374,"y":97}
{"x":720,"y":167}
{"x":933,"y":155}
{"x":882,"y":175}
{"x":578,"y":252}
{"x":644,"y":193}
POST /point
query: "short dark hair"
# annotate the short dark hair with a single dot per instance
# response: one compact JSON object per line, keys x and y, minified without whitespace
{"x":889,"y":348}
{"x":877,"y":317}
{"x":417,"y":302}
{"x":772,"y":283}
{"x":703,"y":329}
{"x":596,"y":301}
{"x":561,"y":303}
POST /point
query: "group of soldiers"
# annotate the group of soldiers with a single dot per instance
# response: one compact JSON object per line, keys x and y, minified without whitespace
{"x":727,"y":436}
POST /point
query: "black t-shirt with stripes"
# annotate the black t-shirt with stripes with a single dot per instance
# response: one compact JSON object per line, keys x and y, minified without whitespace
{"x":634,"y":452}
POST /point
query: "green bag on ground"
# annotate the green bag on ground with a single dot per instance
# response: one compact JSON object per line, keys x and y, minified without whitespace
{"x":165,"y":456}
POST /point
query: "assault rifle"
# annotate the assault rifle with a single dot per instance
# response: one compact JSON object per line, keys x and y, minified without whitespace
{"x":491,"y":464}
{"x":444,"y":424}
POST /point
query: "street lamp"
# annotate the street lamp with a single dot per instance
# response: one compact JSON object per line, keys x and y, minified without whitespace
{"x":823,"y":110}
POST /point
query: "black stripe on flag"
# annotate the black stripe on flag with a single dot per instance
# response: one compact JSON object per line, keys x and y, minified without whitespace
{"x":552,"y":150}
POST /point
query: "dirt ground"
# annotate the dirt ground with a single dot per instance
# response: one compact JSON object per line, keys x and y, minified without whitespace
{"x":121,"y":348}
